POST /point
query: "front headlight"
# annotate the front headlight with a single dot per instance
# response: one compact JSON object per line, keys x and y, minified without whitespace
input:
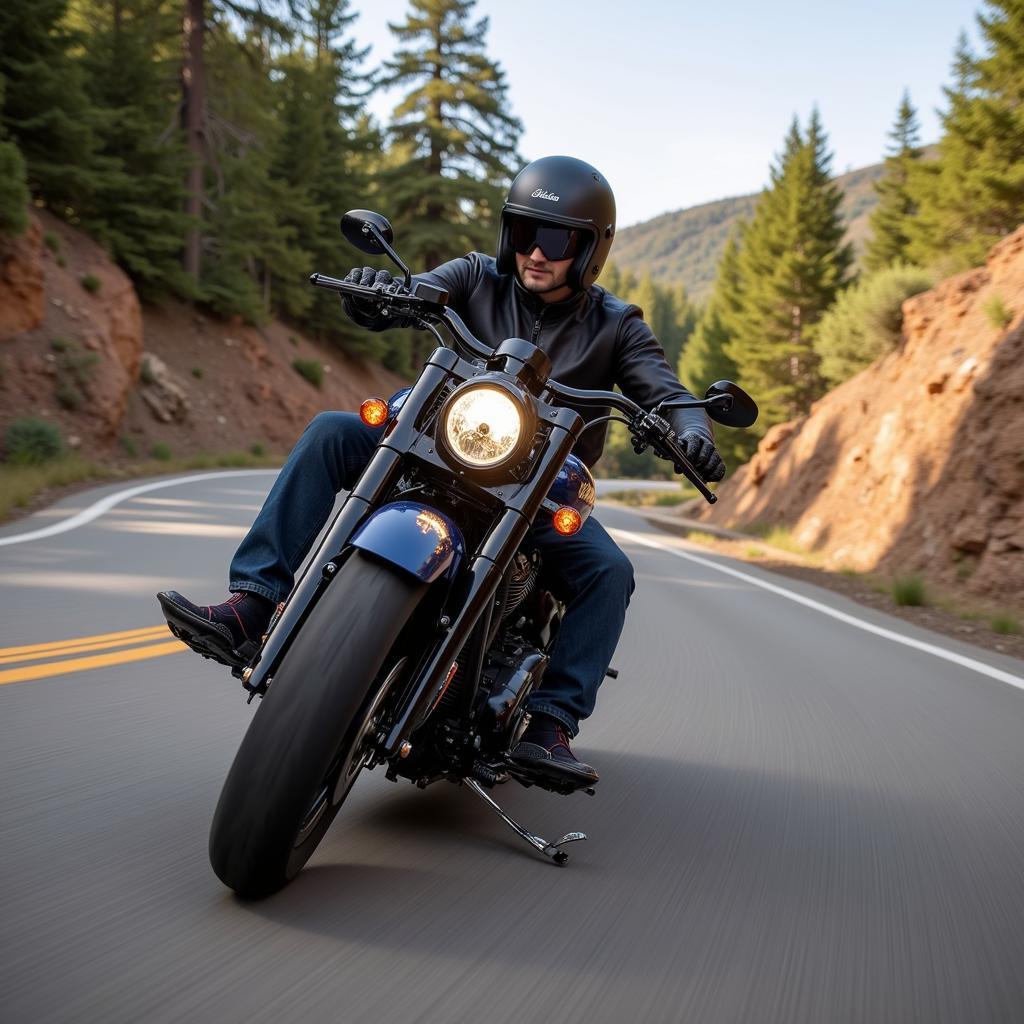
{"x":483,"y":426}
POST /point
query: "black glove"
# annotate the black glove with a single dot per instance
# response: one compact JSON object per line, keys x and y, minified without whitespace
{"x":700,"y":451}
{"x":359,"y":310}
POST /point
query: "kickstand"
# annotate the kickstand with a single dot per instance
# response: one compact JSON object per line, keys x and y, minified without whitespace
{"x":548,"y":849}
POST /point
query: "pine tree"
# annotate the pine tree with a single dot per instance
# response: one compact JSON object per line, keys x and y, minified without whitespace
{"x":704,"y":359}
{"x":974,"y":193}
{"x":323,"y":148}
{"x":455,"y":130}
{"x":254,"y":257}
{"x":792,"y":265}
{"x":896,"y":206}
{"x":13,"y":186}
{"x":201,"y":20}
{"x":45,"y":108}
{"x":130,"y":79}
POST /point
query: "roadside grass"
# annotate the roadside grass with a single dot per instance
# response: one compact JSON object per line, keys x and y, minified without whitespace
{"x":699,"y":537}
{"x":909,"y":591}
{"x":653,"y":499}
{"x":1005,"y":625}
{"x":19,"y":485}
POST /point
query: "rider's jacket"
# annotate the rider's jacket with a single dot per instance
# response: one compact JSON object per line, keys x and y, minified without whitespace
{"x":594,"y":340}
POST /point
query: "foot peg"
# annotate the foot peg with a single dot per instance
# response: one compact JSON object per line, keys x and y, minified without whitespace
{"x":551,"y":850}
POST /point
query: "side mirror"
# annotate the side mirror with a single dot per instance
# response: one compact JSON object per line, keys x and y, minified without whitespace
{"x":363,"y":228}
{"x":729,"y":404}
{"x":372,"y":233}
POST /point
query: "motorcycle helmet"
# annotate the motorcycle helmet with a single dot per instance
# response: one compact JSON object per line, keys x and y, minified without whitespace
{"x":566,"y":191}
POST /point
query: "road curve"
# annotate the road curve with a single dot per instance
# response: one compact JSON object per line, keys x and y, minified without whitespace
{"x":798,"y":820}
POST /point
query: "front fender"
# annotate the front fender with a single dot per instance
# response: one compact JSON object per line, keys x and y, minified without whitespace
{"x":414,"y":537}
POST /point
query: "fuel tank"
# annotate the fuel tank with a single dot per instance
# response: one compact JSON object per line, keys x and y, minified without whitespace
{"x":574,"y":486}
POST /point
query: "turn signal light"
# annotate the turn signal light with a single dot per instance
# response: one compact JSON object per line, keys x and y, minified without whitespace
{"x":567,"y":521}
{"x":373,"y":412}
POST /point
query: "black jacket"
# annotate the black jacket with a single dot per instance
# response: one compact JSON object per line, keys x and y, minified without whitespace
{"x":593,"y":339}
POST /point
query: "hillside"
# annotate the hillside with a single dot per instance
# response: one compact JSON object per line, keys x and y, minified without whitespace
{"x":123,"y":380}
{"x":685,"y":246}
{"x":917,"y":463}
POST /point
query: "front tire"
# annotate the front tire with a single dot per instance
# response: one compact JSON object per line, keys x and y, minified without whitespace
{"x":285,"y":785}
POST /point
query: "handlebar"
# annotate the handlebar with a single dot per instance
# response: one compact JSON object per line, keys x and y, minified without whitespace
{"x":428,"y":305}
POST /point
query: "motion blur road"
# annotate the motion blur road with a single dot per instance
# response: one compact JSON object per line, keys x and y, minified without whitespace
{"x":799,"y":819}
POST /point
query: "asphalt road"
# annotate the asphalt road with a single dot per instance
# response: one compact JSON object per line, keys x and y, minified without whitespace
{"x":799,"y":819}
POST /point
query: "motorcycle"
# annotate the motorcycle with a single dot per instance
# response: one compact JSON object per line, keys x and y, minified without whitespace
{"x":422,"y":622}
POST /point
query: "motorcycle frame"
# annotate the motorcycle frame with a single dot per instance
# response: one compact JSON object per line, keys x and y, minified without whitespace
{"x":515,"y":504}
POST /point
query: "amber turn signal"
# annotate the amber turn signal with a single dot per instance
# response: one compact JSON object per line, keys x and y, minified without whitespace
{"x":567,"y":521}
{"x":373,"y":412}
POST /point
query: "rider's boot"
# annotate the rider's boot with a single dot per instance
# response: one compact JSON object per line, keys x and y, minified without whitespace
{"x":544,"y":748}
{"x":230,"y":632}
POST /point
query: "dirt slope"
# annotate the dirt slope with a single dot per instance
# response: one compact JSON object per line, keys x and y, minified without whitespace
{"x":917,"y":463}
{"x":119,"y":377}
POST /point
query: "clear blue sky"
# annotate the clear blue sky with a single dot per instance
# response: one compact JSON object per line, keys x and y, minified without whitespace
{"x":681,"y":103}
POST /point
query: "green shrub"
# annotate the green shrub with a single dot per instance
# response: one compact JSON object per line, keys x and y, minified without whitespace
{"x":258,"y":450}
{"x":51,"y":241}
{"x":30,"y":441}
{"x":59,"y":344}
{"x":866,"y":321}
{"x":91,"y":283}
{"x":197,"y":372}
{"x":312,"y":370}
{"x":909,"y":591}
{"x":61,"y":262}
{"x":293,"y":341}
{"x":14,"y":195}
{"x":998,"y":314}
{"x":161,"y":451}
{"x":74,"y":371}
{"x":1005,"y":624}
{"x":131,"y":449}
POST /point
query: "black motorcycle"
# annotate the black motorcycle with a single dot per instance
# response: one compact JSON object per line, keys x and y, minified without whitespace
{"x":422,"y":622}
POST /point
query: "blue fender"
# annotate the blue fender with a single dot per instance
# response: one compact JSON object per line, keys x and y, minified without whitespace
{"x":414,"y":537}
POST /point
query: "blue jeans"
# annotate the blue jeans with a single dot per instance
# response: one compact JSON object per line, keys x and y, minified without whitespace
{"x":587,"y":570}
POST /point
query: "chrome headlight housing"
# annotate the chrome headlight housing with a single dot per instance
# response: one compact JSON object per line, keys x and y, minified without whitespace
{"x":484,"y":426}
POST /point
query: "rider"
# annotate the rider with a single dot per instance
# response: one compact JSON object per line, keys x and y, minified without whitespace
{"x":556,"y":230}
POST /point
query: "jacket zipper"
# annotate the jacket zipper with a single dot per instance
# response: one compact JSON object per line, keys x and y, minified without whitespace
{"x":536,"y":327}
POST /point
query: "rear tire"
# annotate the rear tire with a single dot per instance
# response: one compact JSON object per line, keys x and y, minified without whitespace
{"x":273,"y":810}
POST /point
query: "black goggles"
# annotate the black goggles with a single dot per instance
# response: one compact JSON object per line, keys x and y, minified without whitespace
{"x":555,"y":241}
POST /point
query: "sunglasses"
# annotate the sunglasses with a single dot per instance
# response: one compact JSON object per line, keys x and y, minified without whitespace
{"x":555,"y":241}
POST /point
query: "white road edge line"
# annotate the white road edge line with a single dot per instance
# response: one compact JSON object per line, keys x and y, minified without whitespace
{"x":851,"y":620}
{"x":94,"y":511}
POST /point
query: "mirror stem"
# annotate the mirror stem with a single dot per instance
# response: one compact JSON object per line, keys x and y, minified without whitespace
{"x":383,"y":243}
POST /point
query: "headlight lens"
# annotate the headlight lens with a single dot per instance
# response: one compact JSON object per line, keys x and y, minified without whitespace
{"x":483,"y":426}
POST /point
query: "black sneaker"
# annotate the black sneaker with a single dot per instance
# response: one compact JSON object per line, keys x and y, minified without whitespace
{"x":230,"y":633}
{"x":544,"y":748}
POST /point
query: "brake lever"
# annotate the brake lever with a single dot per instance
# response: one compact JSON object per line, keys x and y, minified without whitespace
{"x":657,"y":431}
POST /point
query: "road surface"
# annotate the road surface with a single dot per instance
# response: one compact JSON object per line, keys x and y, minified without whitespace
{"x":803,"y":817}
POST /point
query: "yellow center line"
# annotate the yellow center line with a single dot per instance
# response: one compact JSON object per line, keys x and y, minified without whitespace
{"x":156,"y":633}
{"x":55,"y":645}
{"x":18,"y":675}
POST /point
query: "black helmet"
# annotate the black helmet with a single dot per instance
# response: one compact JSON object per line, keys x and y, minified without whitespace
{"x":562,"y":190}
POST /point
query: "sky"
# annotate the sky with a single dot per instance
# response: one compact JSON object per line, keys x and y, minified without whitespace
{"x":683,"y":103}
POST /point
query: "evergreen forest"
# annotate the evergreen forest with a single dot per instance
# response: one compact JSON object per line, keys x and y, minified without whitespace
{"x":211,"y":145}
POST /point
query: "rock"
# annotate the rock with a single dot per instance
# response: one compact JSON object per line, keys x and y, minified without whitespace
{"x":162,"y":392}
{"x":918,"y":457}
{"x":22,"y":291}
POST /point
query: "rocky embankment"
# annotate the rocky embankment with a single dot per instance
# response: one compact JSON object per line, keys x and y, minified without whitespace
{"x":917,"y":463}
{"x":78,"y":349}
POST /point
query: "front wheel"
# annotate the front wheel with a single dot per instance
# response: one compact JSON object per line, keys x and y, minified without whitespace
{"x":307,"y":742}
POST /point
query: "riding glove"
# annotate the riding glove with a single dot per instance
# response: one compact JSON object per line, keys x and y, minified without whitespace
{"x":360,"y":310}
{"x":702,"y":455}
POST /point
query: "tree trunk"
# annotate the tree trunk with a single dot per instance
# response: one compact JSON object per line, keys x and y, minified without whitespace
{"x":193,"y":94}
